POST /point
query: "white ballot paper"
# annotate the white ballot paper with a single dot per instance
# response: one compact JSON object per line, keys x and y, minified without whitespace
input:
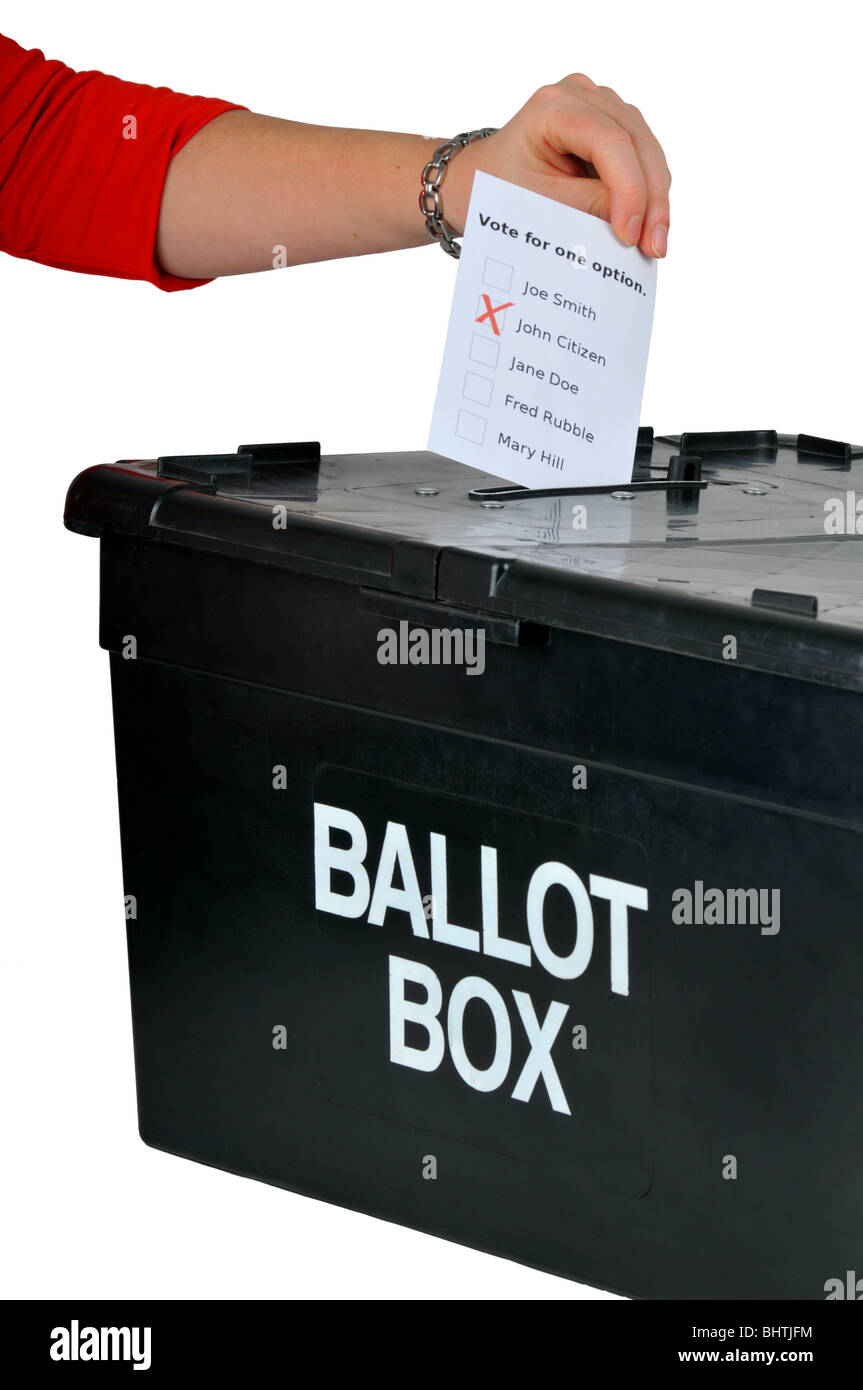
{"x":543,"y":369}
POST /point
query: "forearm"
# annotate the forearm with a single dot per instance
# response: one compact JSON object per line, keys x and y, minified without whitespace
{"x":248,"y":185}
{"x":124,"y":179}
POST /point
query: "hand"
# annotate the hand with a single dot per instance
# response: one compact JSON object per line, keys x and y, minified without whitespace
{"x":582,"y":145}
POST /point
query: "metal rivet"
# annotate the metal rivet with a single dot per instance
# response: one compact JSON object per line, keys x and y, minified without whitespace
{"x":426,"y":491}
{"x":755,"y":491}
{"x":623,"y":496}
{"x":491,"y":506}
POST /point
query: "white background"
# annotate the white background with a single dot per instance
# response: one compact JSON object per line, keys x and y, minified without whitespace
{"x":757,"y":317}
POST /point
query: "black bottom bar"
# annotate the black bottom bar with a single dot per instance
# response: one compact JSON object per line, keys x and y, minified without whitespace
{"x":215,"y":1340}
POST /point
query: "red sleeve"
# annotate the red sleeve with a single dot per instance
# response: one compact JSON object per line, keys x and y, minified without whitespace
{"x":83,"y":160}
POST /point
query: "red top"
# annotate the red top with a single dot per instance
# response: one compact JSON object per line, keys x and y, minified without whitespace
{"x":83,"y":159}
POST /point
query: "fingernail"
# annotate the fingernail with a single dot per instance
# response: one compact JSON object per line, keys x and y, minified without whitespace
{"x":660,"y":240}
{"x":633,"y":230}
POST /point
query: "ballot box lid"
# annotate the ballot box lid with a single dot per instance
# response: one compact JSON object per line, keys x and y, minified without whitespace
{"x":753,"y":528}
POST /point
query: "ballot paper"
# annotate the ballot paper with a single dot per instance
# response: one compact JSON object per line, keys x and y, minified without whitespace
{"x":546,"y":351}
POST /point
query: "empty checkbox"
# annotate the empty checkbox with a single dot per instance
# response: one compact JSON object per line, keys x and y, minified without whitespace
{"x":483,"y":350}
{"x":477,"y":388}
{"x":497,"y":274}
{"x":470,"y":427}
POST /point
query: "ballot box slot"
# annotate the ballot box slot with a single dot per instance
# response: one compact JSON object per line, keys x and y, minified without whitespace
{"x":514,"y":493}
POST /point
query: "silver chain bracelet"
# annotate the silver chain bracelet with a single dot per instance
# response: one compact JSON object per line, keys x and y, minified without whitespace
{"x":433,"y":173}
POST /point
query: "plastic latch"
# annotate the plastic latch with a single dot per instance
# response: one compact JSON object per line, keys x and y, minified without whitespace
{"x":251,"y":463}
{"x":812,"y":447}
{"x":729,"y":442}
{"x":206,"y":470}
{"x":305,"y":456}
{"x":683,"y":468}
{"x":643,"y":453}
{"x":806,"y":605}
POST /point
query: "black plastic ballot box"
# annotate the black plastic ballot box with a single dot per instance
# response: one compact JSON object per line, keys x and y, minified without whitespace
{"x":492,"y":856}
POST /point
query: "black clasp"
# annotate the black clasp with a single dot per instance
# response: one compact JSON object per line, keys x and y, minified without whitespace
{"x":274,"y":465}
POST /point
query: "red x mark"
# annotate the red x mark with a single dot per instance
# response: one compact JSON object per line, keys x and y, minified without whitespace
{"x":491,"y":310}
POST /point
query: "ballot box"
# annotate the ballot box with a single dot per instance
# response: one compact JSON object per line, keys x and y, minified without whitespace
{"x":492,"y":857}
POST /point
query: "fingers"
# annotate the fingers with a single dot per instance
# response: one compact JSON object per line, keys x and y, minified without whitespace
{"x":576,"y":125}
{"x":596,"y":126}
{"x":654,"y":235}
